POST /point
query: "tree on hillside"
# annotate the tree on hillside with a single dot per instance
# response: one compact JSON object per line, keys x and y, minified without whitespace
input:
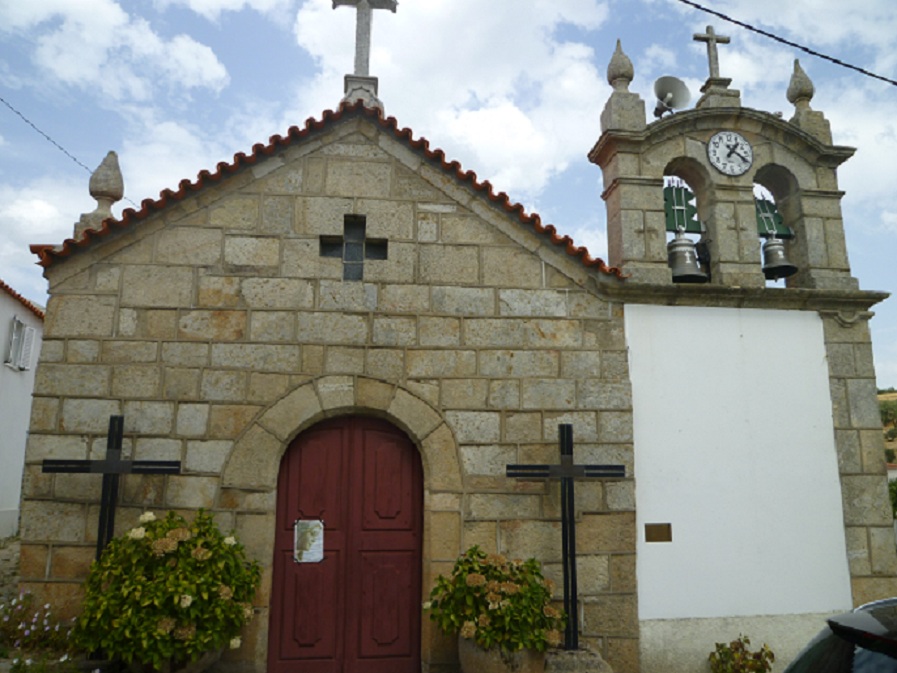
{"x":888,"y":409}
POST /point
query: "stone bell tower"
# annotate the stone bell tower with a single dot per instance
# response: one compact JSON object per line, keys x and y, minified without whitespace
{"x":794,"y":160}
{"x":757,"y":442}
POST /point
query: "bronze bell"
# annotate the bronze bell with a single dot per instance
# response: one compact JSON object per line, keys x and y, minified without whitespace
{"x":775,"y":263}
{"x":684,"y":261}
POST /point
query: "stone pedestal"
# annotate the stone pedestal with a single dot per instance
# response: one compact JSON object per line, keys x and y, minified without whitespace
{"x":575,"y":661}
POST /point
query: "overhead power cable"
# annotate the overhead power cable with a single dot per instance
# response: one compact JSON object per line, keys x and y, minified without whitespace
{"x":772,"y":36}
{"x":56,"y":144}
{"x":53,"y":142}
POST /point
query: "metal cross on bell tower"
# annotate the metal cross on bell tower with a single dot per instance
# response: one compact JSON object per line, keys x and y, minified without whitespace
{"x":360,"y":85}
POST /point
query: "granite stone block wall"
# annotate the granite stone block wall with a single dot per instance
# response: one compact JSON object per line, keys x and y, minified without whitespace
{"x":220,"y":332}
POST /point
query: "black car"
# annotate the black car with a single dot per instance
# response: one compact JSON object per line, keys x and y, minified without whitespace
{"x":862,"y":641}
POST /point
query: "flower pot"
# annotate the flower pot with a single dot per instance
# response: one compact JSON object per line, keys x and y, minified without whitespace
{"x":474,"y":659}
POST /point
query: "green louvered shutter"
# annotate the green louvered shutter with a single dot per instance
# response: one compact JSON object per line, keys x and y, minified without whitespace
{"x":679,"y":208}
{"x":769,"y":221}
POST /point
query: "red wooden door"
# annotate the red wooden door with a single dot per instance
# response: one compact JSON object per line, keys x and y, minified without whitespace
{"x":359,"y":609}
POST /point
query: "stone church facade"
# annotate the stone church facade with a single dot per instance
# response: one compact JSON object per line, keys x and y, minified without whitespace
{"x":349,"y":271}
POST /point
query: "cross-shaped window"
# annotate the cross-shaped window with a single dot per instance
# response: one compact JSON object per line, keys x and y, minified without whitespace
{"x":353,"y":247}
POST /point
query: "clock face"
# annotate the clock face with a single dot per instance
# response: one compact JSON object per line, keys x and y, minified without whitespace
{"x":730,"y":153}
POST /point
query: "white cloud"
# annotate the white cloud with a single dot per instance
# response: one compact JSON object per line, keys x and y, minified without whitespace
{"x":889,"y":221}
{"x":862,"y":118}
{"x":818,"y":22}
{"x":213,"y":9}
{"x":515,"y":102}
{"x":163,"y":153}
{"x":97,"y":46}
{"x":657,"y":58}
{"x":593,"y":236}
{"x":37,"y":212}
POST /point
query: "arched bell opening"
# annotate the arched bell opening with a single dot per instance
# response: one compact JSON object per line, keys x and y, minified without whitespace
{"x":775,"y":235}
{"x":776,"y":198}
{"x":687,"y":250}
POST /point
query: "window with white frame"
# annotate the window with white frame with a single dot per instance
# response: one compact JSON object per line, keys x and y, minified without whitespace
{"x":21,"y":345}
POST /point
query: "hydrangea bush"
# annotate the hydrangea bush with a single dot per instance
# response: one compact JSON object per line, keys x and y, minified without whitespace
{"x":497,"y":602}
{"x":167,"y":592}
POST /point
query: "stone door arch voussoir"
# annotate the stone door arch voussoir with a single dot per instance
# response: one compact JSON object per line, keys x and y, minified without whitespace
{"x":255,"y":460}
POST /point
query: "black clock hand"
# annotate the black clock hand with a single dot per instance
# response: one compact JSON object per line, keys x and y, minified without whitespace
{"x":737,"y":154}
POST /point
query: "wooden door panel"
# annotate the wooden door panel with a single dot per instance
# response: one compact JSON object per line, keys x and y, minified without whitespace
{"x":387,"y":503}
{"x":358,"y":611}
{"x":386,"y":593}
{"x":320,"y":472}
{"x":315,"y":590}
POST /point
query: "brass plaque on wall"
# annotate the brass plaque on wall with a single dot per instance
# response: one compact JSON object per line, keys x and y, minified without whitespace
{"x":658,"y":532}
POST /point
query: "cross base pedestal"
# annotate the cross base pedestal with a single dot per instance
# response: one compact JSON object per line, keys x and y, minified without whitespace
{"x":363,"y":88}
{"x":575,"y":661}
{"x":716,"y":93}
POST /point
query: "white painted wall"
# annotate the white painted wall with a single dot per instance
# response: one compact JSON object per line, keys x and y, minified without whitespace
{"x":734,"y":446}
{"x":15,"y":413}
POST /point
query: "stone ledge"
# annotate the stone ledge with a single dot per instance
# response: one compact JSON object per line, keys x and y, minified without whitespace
{"x":854,"y":304}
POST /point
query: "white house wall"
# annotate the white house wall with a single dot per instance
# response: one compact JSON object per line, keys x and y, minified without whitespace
{"x":735,"y":450}
{"x":15,"y":411}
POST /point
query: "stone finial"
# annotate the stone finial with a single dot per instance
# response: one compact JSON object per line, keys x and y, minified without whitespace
{"x":620,"y":71}
{"x":800,"y":93}
{"x":106,"y":186}
{"x":800,"y":89}
{"x":624,"y":110}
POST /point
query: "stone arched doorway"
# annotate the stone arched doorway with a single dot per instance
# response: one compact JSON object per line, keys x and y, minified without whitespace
{"x":249,"y":481}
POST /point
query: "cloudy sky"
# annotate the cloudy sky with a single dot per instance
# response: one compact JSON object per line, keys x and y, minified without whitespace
{"x":511,"y":88}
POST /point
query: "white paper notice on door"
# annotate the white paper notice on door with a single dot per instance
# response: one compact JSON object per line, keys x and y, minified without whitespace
{"x":308,"y":541}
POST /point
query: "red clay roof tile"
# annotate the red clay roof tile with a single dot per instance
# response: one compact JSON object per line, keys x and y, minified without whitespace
{"x":50,"y":254}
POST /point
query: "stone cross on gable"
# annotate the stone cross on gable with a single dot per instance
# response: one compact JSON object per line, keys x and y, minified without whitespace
{"x":712,"y":39}
{"x":363,"y":29}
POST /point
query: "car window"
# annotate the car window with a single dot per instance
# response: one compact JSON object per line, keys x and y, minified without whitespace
{"x":866,"y":661}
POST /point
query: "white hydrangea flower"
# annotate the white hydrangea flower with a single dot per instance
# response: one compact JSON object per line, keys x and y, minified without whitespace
{"x":186,"y":600}
{"x":235,"y":642}
{"x":230,"y":540}
{"x":137,"y":533}
{"x":146,"y":517}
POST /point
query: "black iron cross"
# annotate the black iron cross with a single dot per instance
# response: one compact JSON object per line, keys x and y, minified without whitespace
{"x":567,"y":472}
{"x":353,"y":247}
{"x":111,"y":467}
